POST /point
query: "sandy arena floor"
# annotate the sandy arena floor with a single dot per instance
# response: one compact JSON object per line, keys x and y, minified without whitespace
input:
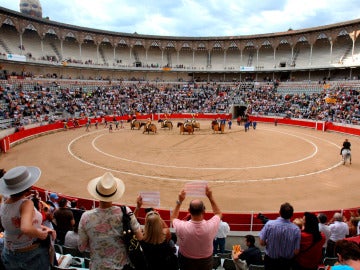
{"x":253,"y":171}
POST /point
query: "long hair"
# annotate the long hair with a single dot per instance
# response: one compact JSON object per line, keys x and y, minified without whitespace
{"x":312,"y":226}
{"x":153,"y":230}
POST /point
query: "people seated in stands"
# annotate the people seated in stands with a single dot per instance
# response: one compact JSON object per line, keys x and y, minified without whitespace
{"x":251,"y":255}
{"x":63,"y":220}
{"x":158,"y":248}
{"x":72,"y":237}
{"x":53,"y":201}
{"x":77,"y":212}
{"x":311,"y":243}
{"x":348,"y":254}
{"x":265,"y":101}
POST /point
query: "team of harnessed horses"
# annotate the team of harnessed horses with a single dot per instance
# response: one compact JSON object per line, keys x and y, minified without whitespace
{"x":188,"y":126}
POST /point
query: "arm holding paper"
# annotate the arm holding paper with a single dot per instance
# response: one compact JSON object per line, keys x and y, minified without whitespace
{"x":139,"y":203}
{"x":181,"y":198}
{"x":214,"y":206}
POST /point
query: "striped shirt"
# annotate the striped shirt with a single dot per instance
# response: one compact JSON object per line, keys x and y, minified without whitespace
{"x":282,"y":238}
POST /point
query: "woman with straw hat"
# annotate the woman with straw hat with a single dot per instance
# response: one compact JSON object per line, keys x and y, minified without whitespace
{"x":22,"y":222}
{"x":100,"y":229}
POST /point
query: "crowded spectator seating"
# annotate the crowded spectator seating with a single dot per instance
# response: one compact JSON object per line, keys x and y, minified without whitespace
{"x":33,"y":101}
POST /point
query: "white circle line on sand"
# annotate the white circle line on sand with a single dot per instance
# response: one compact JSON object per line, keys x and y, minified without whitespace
{"x":212,"y":168}
{"x":189,"y":180}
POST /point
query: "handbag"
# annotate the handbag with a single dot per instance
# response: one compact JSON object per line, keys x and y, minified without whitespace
{"x":133,"y":247}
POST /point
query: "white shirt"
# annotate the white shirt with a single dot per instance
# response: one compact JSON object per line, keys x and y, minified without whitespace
{"x":339,"y":230}
{"x":327,"y":232}
{"x":223,"y":230}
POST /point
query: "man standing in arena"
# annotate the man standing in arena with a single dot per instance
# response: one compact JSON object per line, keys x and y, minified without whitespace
{"x":195,"y":236}
{"x":281,"y":239}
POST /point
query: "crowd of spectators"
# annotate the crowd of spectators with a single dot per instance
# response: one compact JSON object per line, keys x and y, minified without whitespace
{"x":35,"y":102}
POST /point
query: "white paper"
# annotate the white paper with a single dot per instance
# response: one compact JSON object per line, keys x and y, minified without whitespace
{"x":150,"y":198}
{"x":196,"y":189}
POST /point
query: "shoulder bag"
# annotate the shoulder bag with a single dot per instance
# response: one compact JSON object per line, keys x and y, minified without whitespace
{"x":133,"y":247}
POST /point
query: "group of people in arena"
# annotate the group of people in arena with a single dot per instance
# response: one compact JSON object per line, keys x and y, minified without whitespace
{"x":29,"y":233}
{"x":45,"y":101}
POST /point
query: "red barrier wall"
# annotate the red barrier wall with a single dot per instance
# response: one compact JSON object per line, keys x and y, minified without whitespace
{"x":237,"y":221}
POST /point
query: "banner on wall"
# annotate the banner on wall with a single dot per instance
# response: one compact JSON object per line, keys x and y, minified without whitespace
{"x":243,"y":68}
{"x":16,"y":57}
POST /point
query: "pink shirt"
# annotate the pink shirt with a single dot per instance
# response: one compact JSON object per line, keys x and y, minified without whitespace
{"x":195,"y":238}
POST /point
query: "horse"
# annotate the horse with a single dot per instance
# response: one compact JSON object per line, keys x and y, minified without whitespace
{"x":149,"y":128}
{"x":194,"y":123}
{"x":166,"y":124}
{"x":134,"y":123}
{"x":185,"y":128}
{"x":218,"y":127}
{"x":346,"y":155}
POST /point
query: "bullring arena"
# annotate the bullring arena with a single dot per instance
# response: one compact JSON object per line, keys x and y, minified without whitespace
{"x":249,"y":172}
{"x":252,"y":171}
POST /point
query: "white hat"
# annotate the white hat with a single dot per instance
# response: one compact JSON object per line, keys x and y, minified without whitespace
{"x":106,"y":188}
{"x":19,"y":179}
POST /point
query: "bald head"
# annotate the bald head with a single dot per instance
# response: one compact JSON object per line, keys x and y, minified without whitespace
{"x":196,"y":207}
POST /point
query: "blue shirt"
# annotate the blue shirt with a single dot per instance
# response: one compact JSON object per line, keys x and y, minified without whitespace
{"x":282,"y":238}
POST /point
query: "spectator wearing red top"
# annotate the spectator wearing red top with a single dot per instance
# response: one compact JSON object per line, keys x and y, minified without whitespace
{"x":311,"y":243}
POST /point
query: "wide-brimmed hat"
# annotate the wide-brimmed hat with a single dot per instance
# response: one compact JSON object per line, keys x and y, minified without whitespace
{"x":19,"y":179}
{"x":106,"y":188}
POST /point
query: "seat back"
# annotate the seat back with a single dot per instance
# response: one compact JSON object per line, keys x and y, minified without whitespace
{"x":256,"y":267}
{"x":216,"y":262}
{"x":225,"y":255}
{"x":72,"y":251}
{"x":229,"y":264}
{"x":58,"y":248}
{"x":330,"y":261}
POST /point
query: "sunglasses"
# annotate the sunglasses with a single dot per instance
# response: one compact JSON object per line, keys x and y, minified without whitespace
{"x":152,"y":213}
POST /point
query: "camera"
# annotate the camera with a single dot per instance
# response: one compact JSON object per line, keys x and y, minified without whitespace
{"x":262,"y":218}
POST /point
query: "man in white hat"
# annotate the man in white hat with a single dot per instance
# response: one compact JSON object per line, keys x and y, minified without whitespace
{"x":21,"y":221}
{"x":100,"y":229}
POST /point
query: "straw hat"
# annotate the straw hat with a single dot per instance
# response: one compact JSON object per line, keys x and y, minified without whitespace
{"x":19,"y":179}
{"x":106,"y":188}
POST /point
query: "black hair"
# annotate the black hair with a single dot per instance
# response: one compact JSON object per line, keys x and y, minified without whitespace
{"x":149,"y":209}
{"x":322,"y":218}
{"x":250,"y":238}
{"x":73,"y":204}
{"x":286,"y":210}
{"x":62,"y":202}
{"x":36,"y":201}
{"x":312,"y":226}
